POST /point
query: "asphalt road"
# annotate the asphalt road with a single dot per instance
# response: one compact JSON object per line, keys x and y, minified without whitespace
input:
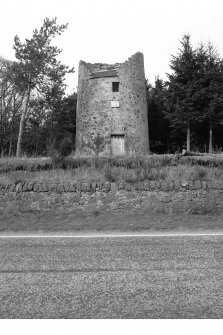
{"x":111,"y":277}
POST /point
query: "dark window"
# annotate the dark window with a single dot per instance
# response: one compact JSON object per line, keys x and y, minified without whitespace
{"x":115,"y":86}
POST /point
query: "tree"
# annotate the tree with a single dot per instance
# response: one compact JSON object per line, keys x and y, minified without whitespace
{"x":38,"y":67}
{"x":63,"y":118}
{"x":213,"y":90}
{"x":97,"y":144}
{"x":158,"y":124}
{"x":11,"y":100}
{"x":195,"y":89}
{"x":181,"y":94}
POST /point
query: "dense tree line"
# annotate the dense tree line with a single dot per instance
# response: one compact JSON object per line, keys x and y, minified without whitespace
{"x":187,"y":109}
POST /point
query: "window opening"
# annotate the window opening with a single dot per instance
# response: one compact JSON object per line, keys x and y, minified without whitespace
{"x":115,"y":86}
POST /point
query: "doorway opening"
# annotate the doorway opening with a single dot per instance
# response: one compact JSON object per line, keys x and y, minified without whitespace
{"x":118,"y":144}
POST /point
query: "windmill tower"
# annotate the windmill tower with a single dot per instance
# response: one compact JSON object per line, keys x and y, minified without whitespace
{"x":112,"y":102}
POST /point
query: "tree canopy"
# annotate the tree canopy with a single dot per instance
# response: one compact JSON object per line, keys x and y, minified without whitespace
{"x":194,"y":91}
{"x":38,"y":67}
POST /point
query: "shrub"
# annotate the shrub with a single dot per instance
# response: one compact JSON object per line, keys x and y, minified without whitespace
{"x":97,"y":144}
{"x":109,"y":174}
{"x":200,"y":173}
{"x":60,"y":152}
{"x":65,"y":147}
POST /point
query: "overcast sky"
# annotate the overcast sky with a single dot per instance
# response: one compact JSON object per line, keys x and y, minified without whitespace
{"x":111,"y":31}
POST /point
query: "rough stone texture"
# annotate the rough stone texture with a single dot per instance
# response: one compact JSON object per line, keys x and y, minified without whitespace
{"x":94,"y":111}
{"x":197,"y":201}
{"x":146,"y":185}
{"x":185,"y":184}
{"x":106,"y":187}
{"x":204,"y":185}
{"x":85,"y":187}
{"x":18,"y":187}
{"x":139,"y":186}
{"x":60,"y":188}
{"x":152,"y":185}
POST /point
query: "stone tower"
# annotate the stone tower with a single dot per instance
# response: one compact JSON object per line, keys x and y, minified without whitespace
{"x":112,"y":102}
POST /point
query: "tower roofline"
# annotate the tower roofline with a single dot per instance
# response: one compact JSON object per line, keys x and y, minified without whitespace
{"x":138,"y":53}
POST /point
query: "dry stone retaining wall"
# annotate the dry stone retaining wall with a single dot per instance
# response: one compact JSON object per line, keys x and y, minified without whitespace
{"x":196,"y":197}
{"x":94,"y":186}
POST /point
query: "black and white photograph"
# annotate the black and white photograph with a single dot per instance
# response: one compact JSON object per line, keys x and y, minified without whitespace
{"x":111,"y":163}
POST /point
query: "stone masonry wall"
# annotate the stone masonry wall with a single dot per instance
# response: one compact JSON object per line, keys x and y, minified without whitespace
{"x":162,"y":197}
{"x":94,"y":111}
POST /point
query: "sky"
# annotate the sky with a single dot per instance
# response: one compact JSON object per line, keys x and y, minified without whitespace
{"x":111,"y":31}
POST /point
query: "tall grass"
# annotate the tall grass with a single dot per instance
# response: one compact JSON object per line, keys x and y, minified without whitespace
{"x":145,"y":162}
{"x":128,"y":169}
{"x":114,"y":173}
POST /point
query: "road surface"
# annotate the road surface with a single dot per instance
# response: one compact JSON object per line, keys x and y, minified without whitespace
{"x":111,"y":277}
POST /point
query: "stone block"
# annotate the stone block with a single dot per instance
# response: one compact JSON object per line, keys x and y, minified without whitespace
{"x":99,"y":185}
{"x":78,"y":185}
{"x":177,"y":185}
{"x":146,"y":185}
{"x":139,"y":186}
{"x":204,"y":185}
{"x":164,"y":186}
{"x":30,"y":187}
{"x":191,"y":185}
{"x":152,"y":185}
{"x":93,"y":186}
{"x":12,"y":188}
{"x":120,"y":185}
{"x":60,"y":188}
{"x":106,"y":186}
{"x":128,"y":187}
{"x":2,"y":186}
{"x":7,"y":187}
{"x":167,"y":199}
{"x":185,"y":184}
{"x":18,"y":187}
{"x":170,"y":186}
{"x":85,"y":187}
{"x":114,"y":187}
{"x":52,"y":187}
{"x":35,"y":187}
{"x":197,"y":185}
{"x":72,"y":187}
{"x":45,"y":187}
{"x":66,"y":187}
{"x":217,"y":185}
{"x":40,"y":187}
{"x":210,"y":184}
{"x":25,"y":187}
{"x":157,"y":185}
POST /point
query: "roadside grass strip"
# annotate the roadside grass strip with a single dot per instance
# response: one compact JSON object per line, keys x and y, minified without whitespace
{"x":187,"y":234}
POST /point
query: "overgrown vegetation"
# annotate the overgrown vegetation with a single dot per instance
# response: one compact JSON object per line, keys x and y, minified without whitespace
{"x":156,"y":167}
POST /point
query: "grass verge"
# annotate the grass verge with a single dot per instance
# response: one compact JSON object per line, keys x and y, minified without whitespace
{"x":77,"y":221}
{"x":114,"y":173}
